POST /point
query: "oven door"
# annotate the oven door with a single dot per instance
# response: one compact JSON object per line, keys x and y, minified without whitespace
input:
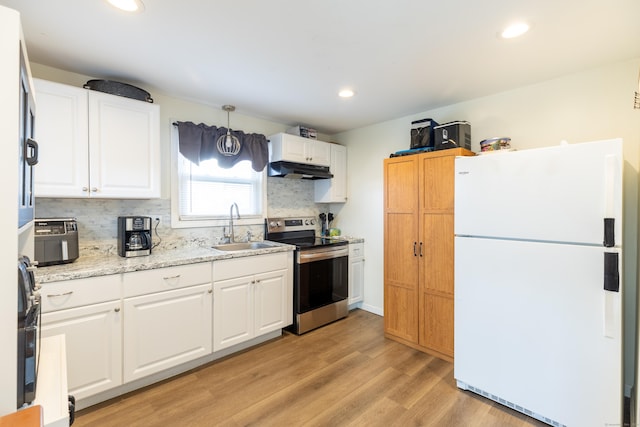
{"x":321,"y":277}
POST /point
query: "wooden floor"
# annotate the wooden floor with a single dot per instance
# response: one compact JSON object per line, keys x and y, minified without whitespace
{"x":344,"y":374}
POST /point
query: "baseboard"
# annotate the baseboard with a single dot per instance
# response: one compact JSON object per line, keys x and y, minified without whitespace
{"x":373,"y":309}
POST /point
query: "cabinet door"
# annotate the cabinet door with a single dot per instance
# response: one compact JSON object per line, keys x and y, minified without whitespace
{"x":94,"y":345}
{"x":294,"y":149}
{"x":437,"y":183}
{"x":124,"y":143}
{"x":401,"y":248}
{"x":270,"y":301}
{"x":62,"y":135}
{"x":356,"y":280}
{"x":334,"y":190}
{"x":232,"y":312}
{"x":436,"y":286}
{"x":166,"y":329}
{"x":318,"y":153}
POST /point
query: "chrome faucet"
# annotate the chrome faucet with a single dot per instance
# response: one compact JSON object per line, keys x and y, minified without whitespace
{"x":231,"y":233}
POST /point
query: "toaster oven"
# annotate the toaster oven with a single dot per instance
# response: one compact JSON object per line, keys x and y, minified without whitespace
{"x":56,"y":240}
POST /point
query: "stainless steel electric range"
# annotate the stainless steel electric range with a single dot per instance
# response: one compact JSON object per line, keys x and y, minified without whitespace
{"x":321,"y":272}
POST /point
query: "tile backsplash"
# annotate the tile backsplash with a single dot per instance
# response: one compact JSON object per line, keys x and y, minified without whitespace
{"x":97,"y":218}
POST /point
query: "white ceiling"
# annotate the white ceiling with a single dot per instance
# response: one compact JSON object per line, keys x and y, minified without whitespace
{"x":285,"y":60}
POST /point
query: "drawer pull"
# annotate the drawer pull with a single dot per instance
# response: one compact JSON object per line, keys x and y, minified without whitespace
{"x":117,"y":309}
{"x":59,"y":295}
{"x":177,"y":276}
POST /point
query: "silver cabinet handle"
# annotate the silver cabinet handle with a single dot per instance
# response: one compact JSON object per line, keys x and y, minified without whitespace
{"x":177,"y":276}
{"x":117,"y":309}
{"x":59,"y":295}
{"x":94,"y":190}
{"x":85,"y":189}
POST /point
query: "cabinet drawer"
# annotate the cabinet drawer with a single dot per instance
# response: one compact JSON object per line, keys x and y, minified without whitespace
{"x":247,"y":266}
{"x":164,"y":279}
{"x":356,"y":250}
{"x":79,"y":292}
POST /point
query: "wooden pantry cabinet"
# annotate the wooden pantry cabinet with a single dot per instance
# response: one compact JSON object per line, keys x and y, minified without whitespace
{"x":418,"y":250}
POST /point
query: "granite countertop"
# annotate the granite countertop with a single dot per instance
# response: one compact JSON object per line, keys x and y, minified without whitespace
{"x":103,"y":265}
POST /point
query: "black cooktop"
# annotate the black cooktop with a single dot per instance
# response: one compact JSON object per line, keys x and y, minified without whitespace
{"x":299,"y":232}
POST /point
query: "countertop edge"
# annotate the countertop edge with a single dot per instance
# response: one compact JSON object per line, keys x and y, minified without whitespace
{"x":94,"y":266}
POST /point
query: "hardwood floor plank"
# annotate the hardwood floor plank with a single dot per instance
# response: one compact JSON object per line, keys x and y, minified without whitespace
{"x":344,"y":374}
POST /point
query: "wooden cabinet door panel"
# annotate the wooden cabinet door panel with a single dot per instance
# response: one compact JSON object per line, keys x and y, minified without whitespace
{"x":437,"y":183}
{"x":436,"y":322}
{"x":401,"y":185}
{"x":437,"y":250}
{"x":401,"y":250}
{"x":401,"y":312}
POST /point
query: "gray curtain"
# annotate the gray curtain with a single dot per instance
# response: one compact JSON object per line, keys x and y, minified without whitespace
{"x":198,"y":143}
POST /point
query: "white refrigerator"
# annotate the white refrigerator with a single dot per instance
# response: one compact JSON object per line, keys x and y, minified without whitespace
{"x":538,"y":281}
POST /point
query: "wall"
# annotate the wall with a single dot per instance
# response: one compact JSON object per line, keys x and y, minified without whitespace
{"x":591,"y":105}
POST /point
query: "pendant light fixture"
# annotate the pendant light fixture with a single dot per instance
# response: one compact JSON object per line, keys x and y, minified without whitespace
{"x":228,"y":145}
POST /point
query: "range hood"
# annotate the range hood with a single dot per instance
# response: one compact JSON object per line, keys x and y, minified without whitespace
{"x":298,"y":170}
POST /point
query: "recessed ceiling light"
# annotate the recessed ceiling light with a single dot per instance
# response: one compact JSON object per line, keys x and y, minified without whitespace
{"x":346,"y":93}
{"x":127,"y":5}
{"x":515,"y":30}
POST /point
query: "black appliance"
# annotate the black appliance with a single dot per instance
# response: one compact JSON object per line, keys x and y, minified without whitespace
{"x":453,"y":135}
{"x":134,"y":236}
{"x":299,"y":170}
{"x":27,"y":148}
{"x":422,"y":133}
{"x":321,"y":272}
{"x":56,"y":240}
{"x":28,"y":340}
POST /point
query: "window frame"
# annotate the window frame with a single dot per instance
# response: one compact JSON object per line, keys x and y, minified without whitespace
{"x":177,"y":222}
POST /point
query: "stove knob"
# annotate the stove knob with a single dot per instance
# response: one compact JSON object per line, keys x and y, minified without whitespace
{"x":312,"y":222}
{"x":273,"y":224}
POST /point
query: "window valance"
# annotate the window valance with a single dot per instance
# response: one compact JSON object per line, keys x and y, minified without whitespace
{"x":198,"y":143}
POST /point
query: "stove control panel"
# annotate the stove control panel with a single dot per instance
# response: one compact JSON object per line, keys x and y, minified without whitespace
{"x":279,"y":225}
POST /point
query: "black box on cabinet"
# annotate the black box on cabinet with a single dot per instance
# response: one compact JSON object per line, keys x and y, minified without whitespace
{"x":422,"y":133}
{"x":453,"y":135}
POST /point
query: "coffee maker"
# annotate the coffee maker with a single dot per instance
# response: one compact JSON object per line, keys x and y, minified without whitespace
{"x":134,"y":236}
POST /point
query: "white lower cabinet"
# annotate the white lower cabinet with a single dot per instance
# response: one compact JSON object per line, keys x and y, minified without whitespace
{"x":258,"y":302}
{"x":93,"y":332}
{"x":124,"y":327}
{"x":164,"y":329}
{"x":356,"y":273}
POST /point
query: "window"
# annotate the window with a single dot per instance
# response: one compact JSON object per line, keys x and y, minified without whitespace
{"x":204,"y":194}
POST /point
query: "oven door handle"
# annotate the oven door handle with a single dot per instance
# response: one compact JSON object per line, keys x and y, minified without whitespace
{"x":311,"y":256}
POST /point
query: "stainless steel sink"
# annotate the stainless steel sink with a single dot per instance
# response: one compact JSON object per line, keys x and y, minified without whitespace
{"x":243,"y":246}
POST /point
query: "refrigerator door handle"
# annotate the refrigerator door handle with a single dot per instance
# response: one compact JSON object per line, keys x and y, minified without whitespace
{"x":611,"y":272}
{"x":609,"y":233}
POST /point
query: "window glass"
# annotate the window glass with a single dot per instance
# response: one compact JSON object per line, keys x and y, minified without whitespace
{"x":207,"y":191}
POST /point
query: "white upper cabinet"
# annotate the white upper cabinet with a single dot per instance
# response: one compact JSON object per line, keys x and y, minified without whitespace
{"x":94,"y":144}
{"x":334,"y":190}
{"x":293,"y":148}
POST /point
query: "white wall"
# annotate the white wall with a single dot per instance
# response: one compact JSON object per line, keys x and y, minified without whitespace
{"x":591,"y":105}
